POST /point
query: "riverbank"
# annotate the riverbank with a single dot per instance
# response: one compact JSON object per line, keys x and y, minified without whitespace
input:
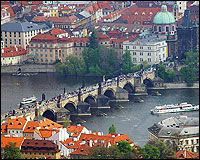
{"x":177,"y":86}
{"x":29,"y":68}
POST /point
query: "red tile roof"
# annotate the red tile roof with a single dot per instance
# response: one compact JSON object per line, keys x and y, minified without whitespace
{"x":57,"y":31}
{"x":9,"y":9}
{"x":17,"y":123}
{"x":46,"y":133}
{"x":47,"y":37}
{"x":38,"y":19}
{"x":76,"y":130}
{"x":105,"y":6}
{"x":69,"y":143}
{"x":5,"y":141}
{"x":82,"y":150}
{"x":49,"y":123}
{"x":11,"y":51}
{"x":4,"y":128}
{"x":189,"y":155}
{"x":31,"y":126}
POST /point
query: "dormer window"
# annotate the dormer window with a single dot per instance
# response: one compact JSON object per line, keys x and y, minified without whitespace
{"x":28,"y":127}
{"x":19,"y":123}
{"x":11,"y":123}
{"x":143,"y":13}
{"x":136,"y":13}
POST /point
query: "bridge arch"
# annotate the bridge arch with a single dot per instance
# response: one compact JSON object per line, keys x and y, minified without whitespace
{"x":148,"y":82}
{"x":50,"y":114}
{"x":70,"y":106}
{"x":129,"y":87}
{"x":90,"y":99}
{"x":110,"y":93}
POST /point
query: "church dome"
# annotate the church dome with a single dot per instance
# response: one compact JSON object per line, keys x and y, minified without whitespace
{"x":164,"y":17}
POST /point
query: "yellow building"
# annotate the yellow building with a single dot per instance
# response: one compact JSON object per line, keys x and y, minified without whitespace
{"x":32,"y":149}
{"x":54,"y":12}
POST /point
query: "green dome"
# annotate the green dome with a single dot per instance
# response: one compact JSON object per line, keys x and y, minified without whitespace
{"x":163,"y":17}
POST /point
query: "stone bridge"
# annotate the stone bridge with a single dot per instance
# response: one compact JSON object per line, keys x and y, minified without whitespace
{"x":109,"y":90}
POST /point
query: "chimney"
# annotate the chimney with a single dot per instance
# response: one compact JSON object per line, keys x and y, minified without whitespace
{"x":184,"y":153}
{"x":90,"y":143}
{"x":126,"y":35}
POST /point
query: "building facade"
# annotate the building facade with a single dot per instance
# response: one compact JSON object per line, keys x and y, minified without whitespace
{"x":147,"y":48}
{"x":20,"y":33}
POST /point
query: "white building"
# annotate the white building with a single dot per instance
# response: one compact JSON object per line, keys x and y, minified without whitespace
{"x":13,"y":55}
{"x":20,"y":33}
{"x":147,"y":48}
{"x":5,"y":16}
{"x":182,"y":6}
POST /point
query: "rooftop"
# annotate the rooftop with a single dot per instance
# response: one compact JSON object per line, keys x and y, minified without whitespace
{"x":5,"y":141}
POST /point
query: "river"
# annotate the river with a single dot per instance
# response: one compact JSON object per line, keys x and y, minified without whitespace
{"x":133,"y":120}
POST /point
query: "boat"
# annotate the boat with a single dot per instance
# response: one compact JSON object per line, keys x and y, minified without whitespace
{"x":172,"y":108}
{"x":28,"y":100}
{"x":24,"y":74}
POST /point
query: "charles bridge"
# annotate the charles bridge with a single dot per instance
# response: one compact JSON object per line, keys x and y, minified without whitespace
{"x":99,"y":96}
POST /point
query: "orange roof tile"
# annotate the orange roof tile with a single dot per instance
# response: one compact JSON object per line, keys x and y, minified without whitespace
{"x":189,"y":155}
{"x":46,"y":133}
{"x":4,"y":128}
{"x":31,"y":126}
{"x":5,"y":141}
{"x":56,"y":31}
{"x":82,"y":150}
{"x":69,"y":143}
{"x":49,"y":123}
{"x":12,"y":51}
{"x":76,"y":130}
{"x":17,"y":123}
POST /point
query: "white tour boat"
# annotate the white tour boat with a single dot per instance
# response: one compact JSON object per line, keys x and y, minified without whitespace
{"x":171,"y":108}
{"x":28,"y":100}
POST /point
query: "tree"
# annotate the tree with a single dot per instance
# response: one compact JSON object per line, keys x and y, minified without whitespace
{"x":166,"y":152}
{"x":93,"y":40}
{"x":127,"y":65}
{"x":11,"y":152}
{"x":161,"y":71}
{"x":112,"y":129}
{"x":60,"y":68}
{"x":103,"y":153}
{"x":124,"y":147}
{"x":150,"y":152}
{"x":136,"y":68}
{"x":66,"y":123}
{"x":188,"y":75}
{"x":170,"y":75}
{"x":146,"y":65}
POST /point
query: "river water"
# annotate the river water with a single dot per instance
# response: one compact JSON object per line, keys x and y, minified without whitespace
{"x":133,"y":120}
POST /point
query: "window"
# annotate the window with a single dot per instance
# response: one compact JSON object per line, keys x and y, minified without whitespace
{"x":45,"y":55}
{"x":141,"y":53}
{"x":163,"y":55}
{"x":10,"y":34}
{"x":14,"y":34}
{"x":41,"y":50}
{"x":163,"y":49}
{"x":186,"y":141}
{"x":149,"y":53}
{"x":155,"y":28}
{"x":134,"y":47}
{"x":159,"y":29}
{"x":5,"y":34}
{"x":134,"y":53}
{"x":10,"y":41}
{"x":41,"y":55}
{"x":141,"y":59}
{"x":134,"y":59}
{"x":141,"y":47}
{"x":167,"y":29}
{"x":45,"y":50}
{"x":149,"y":59}
{"x":51,"y":55}
{"x":127,"y":47}
{"x":50,"y":50}
{"x":192,"y":141}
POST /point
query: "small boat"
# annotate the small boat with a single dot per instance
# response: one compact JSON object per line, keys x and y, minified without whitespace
{"x":17,"y":84}
{"x":173,"y":108}
{"x":138,"y":100}
{"x":24,"y":74}
{"x":156,"y":93}
{"x":101,"y":113}
{"x":28,"y":100}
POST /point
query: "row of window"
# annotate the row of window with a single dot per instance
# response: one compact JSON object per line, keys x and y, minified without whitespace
{"x":15,"y":132}
{"x":141,"y":60}
{"x":39,"y":153}
{"x":192,"y":142}
{"x":15,"y":42}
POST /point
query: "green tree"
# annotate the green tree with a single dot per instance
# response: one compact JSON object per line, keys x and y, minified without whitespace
{"x":93,"y":39}
{"x":94,"y":130}
{"x":60,"y":68}
{"x":136,"y":68}
{"x":127,"y":65}
{"x":74,"y":66}
{"x":146,"y":65}
{"x":150,"y":152}
{"x":66,"y":123}
{"x":188,"y":75}
{"x":124,"y":147}
{"x":166,"y":152}
{"x":112,"y":129}
{"x":170,"y":75}
{"x":11,"y":152}
{"x":161,"y":71}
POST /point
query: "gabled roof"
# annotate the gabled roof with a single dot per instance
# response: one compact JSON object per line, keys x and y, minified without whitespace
{"x":49,"y":123}
{"x":76,"y":130}
{"x":46,"y":133}
{"x":44,"y":36}
{"x":5,"y":141}
{"x":31,"y":126}
{"x":17,"y":123}
{"x":69,"y":143}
